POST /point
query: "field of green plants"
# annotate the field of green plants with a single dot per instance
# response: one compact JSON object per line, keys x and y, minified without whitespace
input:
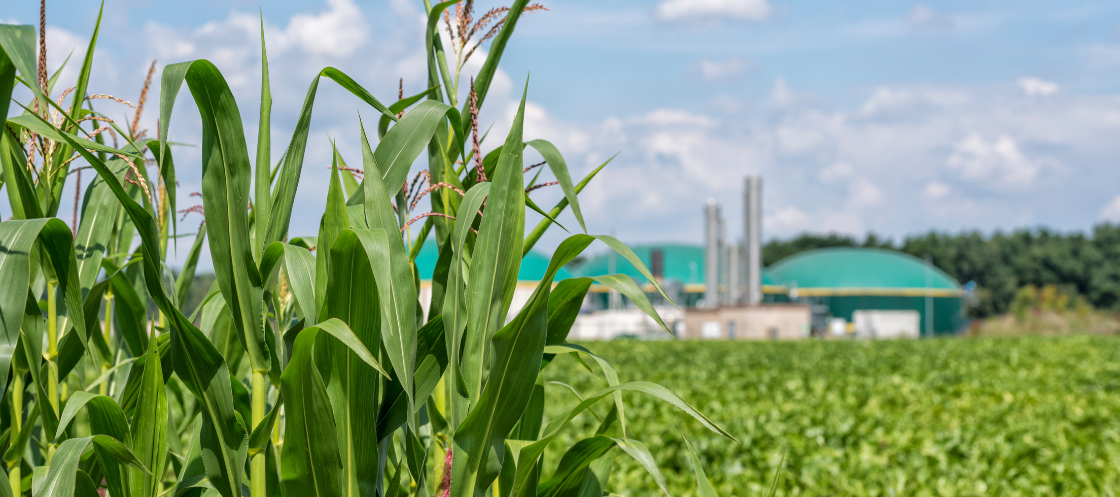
{"x":1009,"y":416}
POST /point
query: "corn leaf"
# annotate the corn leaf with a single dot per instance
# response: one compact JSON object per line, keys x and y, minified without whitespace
{"x":149,"y":428}
{"x":493,"y":272}
{"x":226,"y":176}
{"x":559,"y":169}
{"x":518,"y":350}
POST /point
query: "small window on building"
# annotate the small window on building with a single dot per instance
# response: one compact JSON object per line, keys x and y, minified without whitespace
{"x":731,"y":330}
{"x":657,"y":263}
{"x":710,"y":329}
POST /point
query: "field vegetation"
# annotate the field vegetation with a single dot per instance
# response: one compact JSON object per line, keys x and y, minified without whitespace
{"x":1021,"y":416}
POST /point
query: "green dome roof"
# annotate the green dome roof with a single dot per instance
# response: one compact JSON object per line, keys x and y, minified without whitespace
{"x":859,"y":268}
{"x":533,"y":265}
{"x":683,"y":263}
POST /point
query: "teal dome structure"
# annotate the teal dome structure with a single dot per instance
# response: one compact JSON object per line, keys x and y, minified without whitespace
{"x":533,"y":265}
{"x":851,"y":278}
{"x":861,"y":270}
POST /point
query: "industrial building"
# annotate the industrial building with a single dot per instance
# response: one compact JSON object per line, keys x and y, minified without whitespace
{"x":722,"y":291}
{"x":858,"y":285}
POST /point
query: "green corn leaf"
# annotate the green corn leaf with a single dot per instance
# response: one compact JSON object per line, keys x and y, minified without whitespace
{"x":17,"y":238}
{"x":335,"y":220}
{"x":299,"y":266}
{"x":625,"y":251}
{"x":285,"y":191}
{"x":226,"y":176}
{"x":400,"y":106}
{"x":533,"y":205}
{"x":18,"y":44}
{"x":100,"y":210}
{"x":529,"y":426}
{"x":258,"y":440}
{"x":353,"y":387}
{"x":396,"y":298}
{"x":626,"y":286}
{"x":608,"y":372}
{"x":84,"y":486}
{"x":574,"y":466}
{"x":403,"y":144}
{"x":563,"y":308}
{"x":543,"y":225}
{"x":559,"y":169}
{"x":454,"y":306}
{"x":149,"y":427}
{"x":7,"y":79}
{"x":61,"y":478}
{"x":186,"y":275}
{"x":262,"y":206}
{"x":518,"y":350}
{"x":493,"y":272}
{"x":19,"y":443}
{"x":431,"y":361}
{"x":434,"y":51}
{"x":17,"y":181}
{"x":310,"y":462}
{"x":640,"y":453}
{"x":703,"y":486}
{"x":396,"y":286}
{"x":34,"y":123}
{"x":129,"y":310}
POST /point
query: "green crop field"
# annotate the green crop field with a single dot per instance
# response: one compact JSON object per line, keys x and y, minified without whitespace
{"x":1013,"y":416}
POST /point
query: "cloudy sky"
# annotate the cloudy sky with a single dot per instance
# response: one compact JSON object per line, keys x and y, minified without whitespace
{"x":861,"y":116}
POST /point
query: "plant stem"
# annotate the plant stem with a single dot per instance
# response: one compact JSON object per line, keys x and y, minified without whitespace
{"x":257,"y":477}
{"x":17,"y":424}
{"x":52,"y":353}
{"x":103,"y":388}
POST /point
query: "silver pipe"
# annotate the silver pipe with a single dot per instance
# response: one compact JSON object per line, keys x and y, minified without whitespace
{"x":752,"y":234}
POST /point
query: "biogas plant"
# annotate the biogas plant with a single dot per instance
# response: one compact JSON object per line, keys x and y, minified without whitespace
{"x":724,"y":291}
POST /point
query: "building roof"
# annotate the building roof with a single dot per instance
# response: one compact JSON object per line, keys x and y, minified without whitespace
{"x":858,"y":271}
{"x":680,"y":262}
{"x":533,"y":265}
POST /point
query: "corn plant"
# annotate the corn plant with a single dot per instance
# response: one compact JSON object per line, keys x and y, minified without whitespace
{"x":310,"y":368}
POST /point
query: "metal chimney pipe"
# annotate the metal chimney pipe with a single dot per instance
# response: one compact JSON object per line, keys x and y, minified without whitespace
{"x":713,"y":238}
{"x":734,"y":275}
{"x":752,"y":217}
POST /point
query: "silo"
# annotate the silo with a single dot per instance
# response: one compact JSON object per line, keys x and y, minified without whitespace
{"x":752,"y":233}
{"x":713,"y":245}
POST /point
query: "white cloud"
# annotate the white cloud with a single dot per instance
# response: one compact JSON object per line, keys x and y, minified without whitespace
{"x":863,"y":193}
{"x":935,"y":190}
{"x":996,"y":163}
{"x":337,"y":32}
{"x":924,"y":16}
{"x":836,"y":171}
{"x":1037,"y":87}
{"x":688,"y":10}
{"x":711,"y":70}
{"x":1111,"y":210}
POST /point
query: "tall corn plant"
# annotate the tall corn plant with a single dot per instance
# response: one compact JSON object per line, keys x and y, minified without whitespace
{"x":310,"y":368}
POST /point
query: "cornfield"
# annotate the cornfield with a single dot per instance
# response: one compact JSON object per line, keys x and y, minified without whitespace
{"x":310,"y":368}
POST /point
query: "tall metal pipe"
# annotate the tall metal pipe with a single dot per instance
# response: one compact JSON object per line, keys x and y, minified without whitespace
{"x":752,"y":234}
{"x":713,"y":240}
{"x":734,"y":275}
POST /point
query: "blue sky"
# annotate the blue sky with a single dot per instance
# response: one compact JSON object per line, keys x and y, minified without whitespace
{"x":891,"y":117}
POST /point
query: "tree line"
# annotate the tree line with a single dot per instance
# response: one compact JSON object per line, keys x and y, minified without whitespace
{"x":1000,"y":264}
